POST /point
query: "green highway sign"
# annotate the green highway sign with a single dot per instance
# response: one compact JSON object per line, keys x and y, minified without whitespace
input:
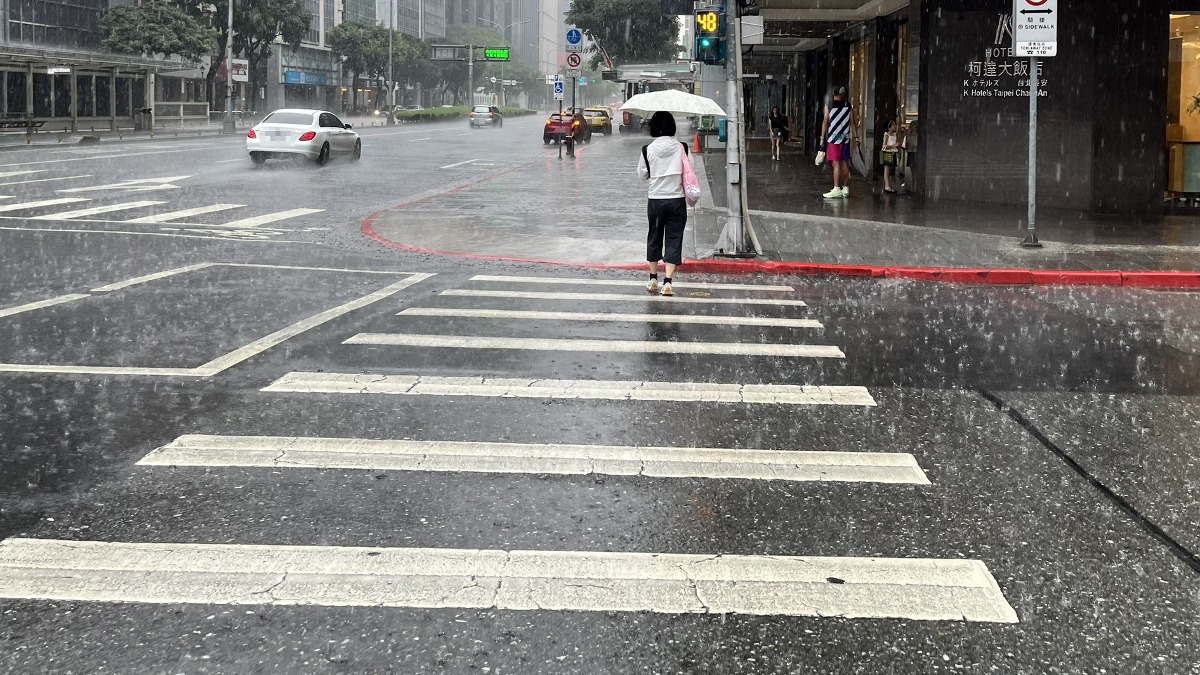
{"x":495,"y":53}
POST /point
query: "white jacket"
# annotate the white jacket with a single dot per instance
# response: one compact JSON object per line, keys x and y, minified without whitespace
{"x":666,"y":168}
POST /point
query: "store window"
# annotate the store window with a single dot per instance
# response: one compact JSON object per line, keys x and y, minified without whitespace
{"x":16,"y":92}
{"x":1183,"y":106}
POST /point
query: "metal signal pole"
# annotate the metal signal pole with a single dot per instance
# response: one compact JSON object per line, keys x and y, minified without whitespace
{"x":391,"y":111}
{"x":229,"y":126}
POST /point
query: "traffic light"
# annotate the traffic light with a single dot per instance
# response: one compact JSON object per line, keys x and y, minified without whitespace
{"x":710,"y":36}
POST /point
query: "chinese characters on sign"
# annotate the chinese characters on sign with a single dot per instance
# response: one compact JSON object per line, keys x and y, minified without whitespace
{"x":1000,"y":73}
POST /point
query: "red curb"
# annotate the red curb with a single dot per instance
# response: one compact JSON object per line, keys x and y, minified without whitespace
{"x":1161,"y":279}
{"x":990,"y":276}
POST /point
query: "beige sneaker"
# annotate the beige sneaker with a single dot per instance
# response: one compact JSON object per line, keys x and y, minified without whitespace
{"x":666,"y":290}
{"x":652,"y":286}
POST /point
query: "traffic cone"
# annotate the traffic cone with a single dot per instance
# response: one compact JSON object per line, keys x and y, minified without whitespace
{"x":696,"y":143}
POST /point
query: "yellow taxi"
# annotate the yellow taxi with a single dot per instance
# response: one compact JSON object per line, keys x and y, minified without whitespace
{"x":599,"y":119}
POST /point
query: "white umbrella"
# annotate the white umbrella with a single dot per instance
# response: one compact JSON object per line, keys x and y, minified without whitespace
{"x":672,"y":101}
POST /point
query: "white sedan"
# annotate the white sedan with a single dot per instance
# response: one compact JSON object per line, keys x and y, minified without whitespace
{"x":315,"y":134}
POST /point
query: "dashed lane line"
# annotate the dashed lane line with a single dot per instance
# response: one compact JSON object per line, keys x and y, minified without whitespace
{"x":536,"y":458}
{"x":581,"y":581}
{"x":42,"y":203}
{"x":267,"y":218}
{"x":531,"y":315}
{"x":598,"y":346}
{"x":613,"y":390}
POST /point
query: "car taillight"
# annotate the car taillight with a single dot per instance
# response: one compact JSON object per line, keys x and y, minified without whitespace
{"x":251,"y":134}
{"x":308,"y":135}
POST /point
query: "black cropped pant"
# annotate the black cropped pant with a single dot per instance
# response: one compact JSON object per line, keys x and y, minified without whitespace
{"x":667,"y":219}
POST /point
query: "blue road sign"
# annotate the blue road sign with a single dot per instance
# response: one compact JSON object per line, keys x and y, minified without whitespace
{"x":574,"y":36}
{"x":558,"y":87}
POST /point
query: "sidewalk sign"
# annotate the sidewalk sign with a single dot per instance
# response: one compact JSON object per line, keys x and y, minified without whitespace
{"x":1035,"y":34}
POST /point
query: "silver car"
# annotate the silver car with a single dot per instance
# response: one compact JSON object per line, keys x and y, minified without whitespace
{"x":315,"y":134}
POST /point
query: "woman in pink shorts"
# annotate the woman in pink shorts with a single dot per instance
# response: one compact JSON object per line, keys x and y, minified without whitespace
{"x":837,"y":129}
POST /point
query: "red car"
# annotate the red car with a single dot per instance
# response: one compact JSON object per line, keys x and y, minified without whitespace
{"x":561,"y":125}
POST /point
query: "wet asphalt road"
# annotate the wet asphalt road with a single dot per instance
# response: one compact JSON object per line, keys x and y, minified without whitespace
{"x":1057,"y":429}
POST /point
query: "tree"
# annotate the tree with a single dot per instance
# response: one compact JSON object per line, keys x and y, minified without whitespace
{"x":632,"y":31}
{"x":156,"y":28}
{"x":258,"y":24}
{"x":361,"y":46}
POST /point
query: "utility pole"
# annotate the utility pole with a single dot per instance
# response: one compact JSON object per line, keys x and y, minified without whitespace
{"x":471,"y":74}
{"x":733,"y":107}
{"x":229,"y":126}
{"x":391,"y":111}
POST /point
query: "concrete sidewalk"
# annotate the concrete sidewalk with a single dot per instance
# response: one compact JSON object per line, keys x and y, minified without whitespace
{"x":794,"y":223}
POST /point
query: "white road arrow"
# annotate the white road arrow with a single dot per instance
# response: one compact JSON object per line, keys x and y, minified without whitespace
{"x":136,"y":185}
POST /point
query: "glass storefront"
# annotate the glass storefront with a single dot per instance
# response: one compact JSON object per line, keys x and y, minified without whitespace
{"x":1183,"y":106}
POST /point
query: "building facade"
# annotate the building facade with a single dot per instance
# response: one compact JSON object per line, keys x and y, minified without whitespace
{"x":1119,"y":106}
{"x":54,"y":76}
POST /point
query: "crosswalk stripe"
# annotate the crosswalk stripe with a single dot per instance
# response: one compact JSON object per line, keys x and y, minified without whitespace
{"x":720,"y":320}
{"x":597,"y":346}
{"x":185,"y":213}
{"x":628,"y":282}
{"x":45,"y":180}
{"x":584,"y":581}
{"x":10,"y":174}
{"x":616,"y":390}
{"x":644,"y":297}
{"x":96,"y":210}
{"x":407,"y":455}
{"x":41,"y":304}
{"x":268,"y":218}
{"x":42,"y":203}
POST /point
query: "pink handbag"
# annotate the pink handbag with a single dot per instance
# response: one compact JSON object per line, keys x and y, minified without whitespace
{"x":691,"y":186}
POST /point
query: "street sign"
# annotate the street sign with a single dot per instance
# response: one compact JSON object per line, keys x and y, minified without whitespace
{"x":241,"y":70}
{"x":558,"y":96}
{"x":1035,"y":27}
{"x":558,"y":88}
{"x":574,"y":40}
{"x":496,"y":53}
{"x":574,"y":72}
{"x":574,"y":60}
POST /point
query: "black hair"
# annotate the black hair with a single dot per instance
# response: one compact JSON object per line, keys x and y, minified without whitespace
{"x":662,"y":123}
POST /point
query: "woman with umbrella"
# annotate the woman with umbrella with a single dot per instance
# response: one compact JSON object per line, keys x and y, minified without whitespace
{"x":661,"y":163}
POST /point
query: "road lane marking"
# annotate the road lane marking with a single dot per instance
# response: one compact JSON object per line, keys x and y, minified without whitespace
{"x":313,"y":269}
{"x":11,"y":174}
{"x":96,"y":210}
{"x":133,"y":185}
{"x":591,"y":581}
{"x":32,"y":306}
{"x":414,"y":140}
{"x":597,"y":346}
{"x":613,"y":390}
{"x":130,"y":233}
{"x":629,"y":282}
{"x":42,"y":203}
{"x":120,"y":155}
{"x":451,"y":166}
{"x":707,"y":319}
{"x":150,"y":277}
{"x":264,"y":343}
{"x":226,"y":161}
{"x":225,"y":361}
{"x":644,"y":297}
{"x":185,"y":213}
{"x":536,"y":458}
{"x":46,"y":180}
{"x":268,"y":218}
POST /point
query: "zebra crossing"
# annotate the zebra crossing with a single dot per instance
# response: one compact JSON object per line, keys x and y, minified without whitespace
{"x":140,"y":214}
{"x":362,"y":575}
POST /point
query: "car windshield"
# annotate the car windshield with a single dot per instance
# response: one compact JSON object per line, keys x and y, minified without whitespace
{"x":289,"y":118}
{"x":481,"y":108}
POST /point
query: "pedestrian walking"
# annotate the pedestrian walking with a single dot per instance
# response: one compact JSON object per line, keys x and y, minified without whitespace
{"x":838,"y":131}
{"x":890,"y":155}
{"x":779,"y":132}
{"x":661,"y":163}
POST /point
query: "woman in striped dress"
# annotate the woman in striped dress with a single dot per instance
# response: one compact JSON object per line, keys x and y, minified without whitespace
{"x":837,"y":130}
